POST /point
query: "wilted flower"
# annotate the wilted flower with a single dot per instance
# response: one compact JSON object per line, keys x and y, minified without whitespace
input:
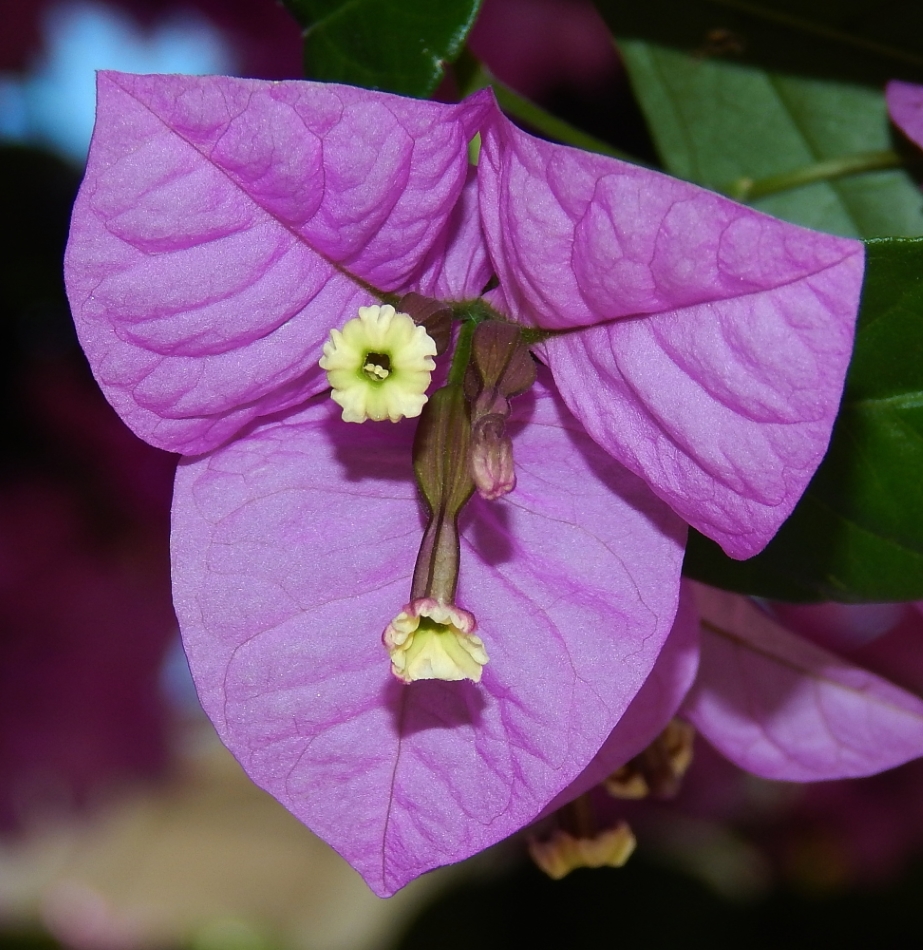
{"x":694,"y":357}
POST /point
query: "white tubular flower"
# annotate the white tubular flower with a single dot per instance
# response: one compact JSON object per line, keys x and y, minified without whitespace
{"x":563,"y":853}
{"x":379,"y":365}
{"x":429,"y":640}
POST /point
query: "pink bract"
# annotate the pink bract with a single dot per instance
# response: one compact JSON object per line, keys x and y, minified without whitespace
{"x":905,"y":103}
{"x":292,"y":545}
{"x":214,"y":226}
{"x":781,"y":707}
{"x":696,"y":364}
{"x":719,"y":336}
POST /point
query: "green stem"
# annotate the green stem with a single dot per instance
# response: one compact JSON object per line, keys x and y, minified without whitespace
{"x":462,"y":353}
{"x":540,"y":120}
{"x":552,"y":126}
{"x":748,"y":189}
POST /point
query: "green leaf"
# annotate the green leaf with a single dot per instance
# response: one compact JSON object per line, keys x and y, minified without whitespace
{"x":717,"y":123}
{"x":864,"y":41}
{"x":396,"y":45}
{"x":857,"y":534}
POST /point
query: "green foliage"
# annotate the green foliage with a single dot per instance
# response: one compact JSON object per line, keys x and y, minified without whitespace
{"x":719,"y":123}
{"x":395,"y":45}
{"x":722,"y":121}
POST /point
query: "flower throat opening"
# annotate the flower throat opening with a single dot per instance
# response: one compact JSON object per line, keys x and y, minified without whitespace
{"x":377,"y":366}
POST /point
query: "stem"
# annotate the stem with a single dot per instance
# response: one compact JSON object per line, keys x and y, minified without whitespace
{"x":440,"y":463}
{"x":462,"y":354}
{"x":746,"y":189}
{"x":541,"y":120}
{"x":435,"y":573}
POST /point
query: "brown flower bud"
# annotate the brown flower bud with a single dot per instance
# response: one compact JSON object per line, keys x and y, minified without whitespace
{"x":500,"y":367}
{"x":433,"y":315}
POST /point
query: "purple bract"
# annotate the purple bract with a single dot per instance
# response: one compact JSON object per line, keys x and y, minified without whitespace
{"x":779,"y":705}
{"x":905,"y":103}
{"x":694,"y":354}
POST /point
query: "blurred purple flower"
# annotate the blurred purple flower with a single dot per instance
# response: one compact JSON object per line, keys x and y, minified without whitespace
{"x":225,"y":226}
{"x":85,"y":605}
{"x":536,"y":45}
{"x":782,"y":707}
{"x":905,"y":103}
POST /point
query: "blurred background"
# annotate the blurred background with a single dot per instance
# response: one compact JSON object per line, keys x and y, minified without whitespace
{"x":124,"y":825}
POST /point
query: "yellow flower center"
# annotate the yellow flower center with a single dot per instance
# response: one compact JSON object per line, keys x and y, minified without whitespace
{"x":379,"y":365}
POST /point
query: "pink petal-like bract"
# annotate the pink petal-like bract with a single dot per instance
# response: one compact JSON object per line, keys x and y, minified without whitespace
{"x":712,"y":340}
{"x":696,"y":356}
{"x":783,"y":708}
{"x":905,"y":103}
{"x":222,"y":225}
{"x":294,"y":547}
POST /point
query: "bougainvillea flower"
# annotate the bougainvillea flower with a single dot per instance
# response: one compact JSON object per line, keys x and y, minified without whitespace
{"x":905,"y":103}
{"x":695,"y":352}
{"x":794,"y":692}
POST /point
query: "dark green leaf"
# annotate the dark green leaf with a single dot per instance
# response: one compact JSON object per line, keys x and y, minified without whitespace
{"x":857,"y":534}
{"x":866,"y":41}
{"x":396,"y":45}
